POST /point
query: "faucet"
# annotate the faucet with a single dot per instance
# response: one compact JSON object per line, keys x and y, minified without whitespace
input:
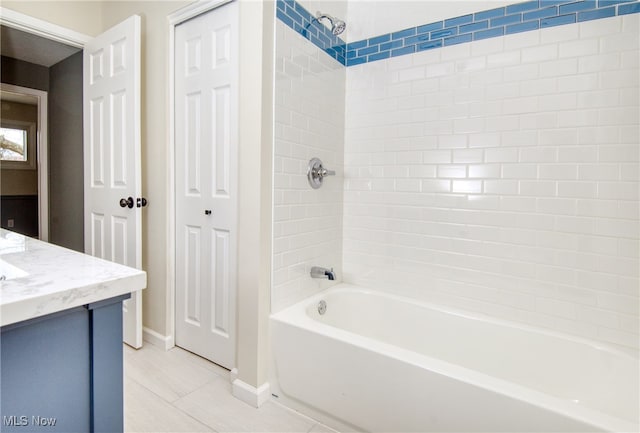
{"x":318,"y":272}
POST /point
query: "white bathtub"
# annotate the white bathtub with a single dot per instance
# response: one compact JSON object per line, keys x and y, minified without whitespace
{"x":378,"y":362}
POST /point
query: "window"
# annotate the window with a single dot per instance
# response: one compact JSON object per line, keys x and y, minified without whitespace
{"x":17,"y":145}
{"x":14,"y":144}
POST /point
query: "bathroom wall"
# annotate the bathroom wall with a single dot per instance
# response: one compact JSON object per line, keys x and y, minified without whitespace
{"x":66,"y":166}
{"x":501,"y":176}
{"x":81,"y":16}
{"x":370,"y":18}
{"x":309,"y":122}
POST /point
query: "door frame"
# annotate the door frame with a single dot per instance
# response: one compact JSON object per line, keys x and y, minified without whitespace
{"x":42,"y":152}
{"x":181,"y":15}
{"x":47,"y":30}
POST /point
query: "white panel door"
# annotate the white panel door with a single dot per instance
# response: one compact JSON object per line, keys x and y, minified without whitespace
{"x":112,"y":170}
{"x":206,"y":94}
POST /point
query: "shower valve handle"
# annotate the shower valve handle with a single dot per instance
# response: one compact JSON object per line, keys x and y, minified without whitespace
{"x":316,"y":173}
{"x":323,"y":172}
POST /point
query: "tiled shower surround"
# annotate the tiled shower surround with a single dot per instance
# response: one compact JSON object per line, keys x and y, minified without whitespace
{"x":309,"y":122}
{"x":498,"y":176}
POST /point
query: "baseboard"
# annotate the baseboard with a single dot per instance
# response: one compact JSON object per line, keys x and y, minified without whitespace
{"x":165,"y":342}
{"x":233,"y":374}
{"x":249,"y":394}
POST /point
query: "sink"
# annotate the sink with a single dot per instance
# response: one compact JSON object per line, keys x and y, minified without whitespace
{"x":8,"y":272}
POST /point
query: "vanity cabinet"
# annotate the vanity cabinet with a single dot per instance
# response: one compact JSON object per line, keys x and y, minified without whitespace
{"x":63,"y":372}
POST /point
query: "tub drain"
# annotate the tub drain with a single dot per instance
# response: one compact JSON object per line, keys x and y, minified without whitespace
{"x":322,"y":307}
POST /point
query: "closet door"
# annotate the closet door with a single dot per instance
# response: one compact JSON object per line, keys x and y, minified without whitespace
{"x":206,"y":136}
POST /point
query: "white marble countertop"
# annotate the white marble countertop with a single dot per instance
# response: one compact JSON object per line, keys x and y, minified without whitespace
{"x":50,"y":278}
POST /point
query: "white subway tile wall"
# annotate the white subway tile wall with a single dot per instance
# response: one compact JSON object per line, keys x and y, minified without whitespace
{"x":501,"y":176}
{"x":309,"y":122}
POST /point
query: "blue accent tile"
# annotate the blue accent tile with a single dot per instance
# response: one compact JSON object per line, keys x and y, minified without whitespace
{"x":597,"y":14}
{"x":491,"y":33}
{"x":367,"y":51}
{"x":391,"y":45}
{"x":458,"y":39}
{"x":558,"y":21}
{"x":357,"y":61}
{"x":540,"y":13}
{"x":404,"y":33}
{"x":294,"y":15}
{"x":632,"y":8}
{"x":325,"y":40}
{"x":545,"y":3}
{"x":403,"y":51}
{"x":515,"y":18}
{"x":285,"y":19}
{"x":430,"y":45}
{"x":415,"y":39}
{"x":503,"y":21}
{"x":492,"y":13}
{"x":430,"y":27}
{"x":522,"y":27}
{"x":465,"y":19}
{"x":605,"y":3}
{"x":521,"y":7}
{"x":311,"y":30}
{"x":306,"y":16}
{"x":302,"y":11}
{"x":299,"y":29}
{"x":577,"y":6}
{"x":379,"y":39}
{"x":379,"y":56}
{"x":315,"y":41}
{"x":444,"y":33}
{"x":468,"y":28}
{"x":356,"y":45}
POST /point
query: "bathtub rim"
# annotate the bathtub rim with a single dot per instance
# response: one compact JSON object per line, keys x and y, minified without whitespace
{"x":296,"y":316}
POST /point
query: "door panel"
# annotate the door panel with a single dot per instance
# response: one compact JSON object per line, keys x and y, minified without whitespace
{"x":206,"y":183}
{"x":112,"y":155}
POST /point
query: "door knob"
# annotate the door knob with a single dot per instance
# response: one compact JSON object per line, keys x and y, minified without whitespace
{"x":126,"y":202}
{"x":141,"y":202}
{"x":207,"y":212}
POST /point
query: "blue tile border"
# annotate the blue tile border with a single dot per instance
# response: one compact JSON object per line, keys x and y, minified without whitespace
{"x":519,"y":17}
{"x":294,"y":15}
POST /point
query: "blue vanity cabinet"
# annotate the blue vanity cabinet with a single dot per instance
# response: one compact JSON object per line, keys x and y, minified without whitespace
{"x":63,"y":372}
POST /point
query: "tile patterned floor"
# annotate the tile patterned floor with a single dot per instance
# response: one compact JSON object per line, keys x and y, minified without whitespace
{"x":177,"y":391}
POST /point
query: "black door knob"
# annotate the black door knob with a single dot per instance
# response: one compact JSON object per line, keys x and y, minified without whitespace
{"x":141,"y":202}
{"x":126,"y":202}
{"x":207,"y":212}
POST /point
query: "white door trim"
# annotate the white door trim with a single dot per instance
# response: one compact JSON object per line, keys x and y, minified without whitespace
{"x":42,"y":164}
{"x":47,"y":30}
{"x":175,"y":19}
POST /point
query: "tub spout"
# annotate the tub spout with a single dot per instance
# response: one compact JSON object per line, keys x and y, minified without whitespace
{"x":318,"y":272}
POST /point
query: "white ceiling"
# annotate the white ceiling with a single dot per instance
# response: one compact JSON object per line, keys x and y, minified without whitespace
{"x":31,"y":48}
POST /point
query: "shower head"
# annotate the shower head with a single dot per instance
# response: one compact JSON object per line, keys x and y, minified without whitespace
{"x":337,"y":25}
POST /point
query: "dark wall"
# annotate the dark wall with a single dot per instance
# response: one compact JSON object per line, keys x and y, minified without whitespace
{"x":66,"y":168}
{"x":24,"y":74}
{"x":63,"y":82}
{"x":22,"y":212}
